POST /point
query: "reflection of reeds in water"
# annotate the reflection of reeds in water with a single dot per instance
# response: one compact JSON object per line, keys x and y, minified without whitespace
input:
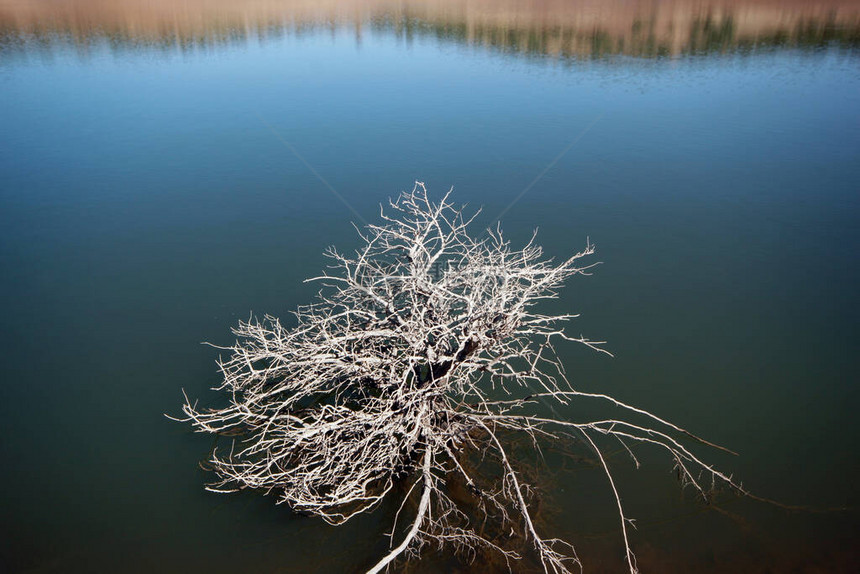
{"x":550,"y":27}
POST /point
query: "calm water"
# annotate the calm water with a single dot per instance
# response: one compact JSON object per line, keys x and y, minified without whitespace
{"x":163,"y":175}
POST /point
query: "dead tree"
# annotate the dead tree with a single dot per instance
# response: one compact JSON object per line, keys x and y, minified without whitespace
{"x":424,"y":347}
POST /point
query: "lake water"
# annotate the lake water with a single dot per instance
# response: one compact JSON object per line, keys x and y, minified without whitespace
{"x":167,"y":170}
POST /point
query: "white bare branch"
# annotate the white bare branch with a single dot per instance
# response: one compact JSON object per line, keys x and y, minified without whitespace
{"x":421,"y":348}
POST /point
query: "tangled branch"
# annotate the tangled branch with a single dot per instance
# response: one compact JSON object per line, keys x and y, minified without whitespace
{"x":422,"y":347}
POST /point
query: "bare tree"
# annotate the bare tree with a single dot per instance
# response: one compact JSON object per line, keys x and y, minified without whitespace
{"x":424,"y":350}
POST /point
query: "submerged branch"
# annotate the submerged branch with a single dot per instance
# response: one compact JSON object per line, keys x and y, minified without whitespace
{"x":420,"y":347}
